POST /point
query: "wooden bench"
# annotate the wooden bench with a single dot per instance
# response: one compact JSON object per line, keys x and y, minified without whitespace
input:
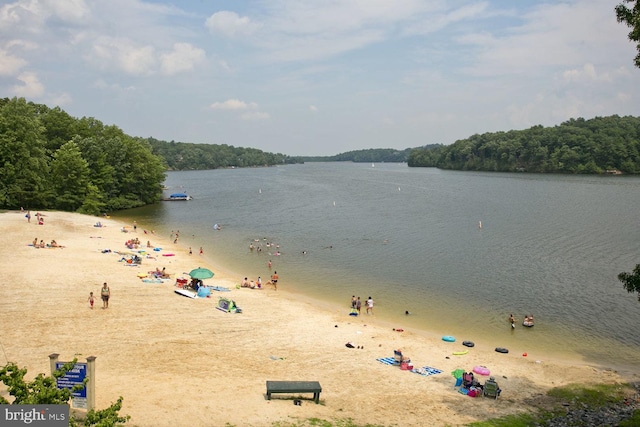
{"x":294,"y":387}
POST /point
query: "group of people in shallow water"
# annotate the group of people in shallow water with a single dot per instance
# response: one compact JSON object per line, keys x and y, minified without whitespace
{"x":528,"y":320}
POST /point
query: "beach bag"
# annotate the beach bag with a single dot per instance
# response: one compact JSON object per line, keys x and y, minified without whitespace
{"x":406,"y":366}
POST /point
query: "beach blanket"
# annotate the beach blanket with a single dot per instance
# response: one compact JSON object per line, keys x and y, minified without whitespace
{"x":426,"y":371}
{"x":387,"y":360}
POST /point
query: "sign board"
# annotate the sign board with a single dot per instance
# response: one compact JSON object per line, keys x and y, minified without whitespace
{"x":72,"y":378}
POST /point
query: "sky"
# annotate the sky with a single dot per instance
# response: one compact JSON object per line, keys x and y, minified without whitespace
{"x":320,"y":77}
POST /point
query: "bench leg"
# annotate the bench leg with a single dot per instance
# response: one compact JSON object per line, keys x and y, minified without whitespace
{"x":316,"y":397}
{"x":268,"y":396}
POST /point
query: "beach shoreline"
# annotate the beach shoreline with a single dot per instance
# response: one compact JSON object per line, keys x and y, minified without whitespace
{"x":178,"y":361}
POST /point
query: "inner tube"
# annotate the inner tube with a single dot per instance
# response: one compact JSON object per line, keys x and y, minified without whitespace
{"x":460,"y":353}
{"x":468,"y":343}
{"x":481,"y":370}
{"x":448,"y":338}
{"x":502,"y":350}
{"x":528,"y":324}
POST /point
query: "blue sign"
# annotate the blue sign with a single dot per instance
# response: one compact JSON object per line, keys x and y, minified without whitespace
{"x":72,"y":378}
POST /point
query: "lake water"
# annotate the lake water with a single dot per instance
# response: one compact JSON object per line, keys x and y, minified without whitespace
{"x":550,"y":245}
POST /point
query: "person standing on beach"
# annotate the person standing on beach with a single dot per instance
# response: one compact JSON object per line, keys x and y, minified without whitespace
{"x":190,"y":251}
{"x":358,"y":305}
{"x":91,"y":299}
{"x":28,"y":216}
{"x":274,"y":280}
{"x":269,"y":264}
{"x":353,"y":301}
{"x":105,"y":293}
{"x":369,"y":305}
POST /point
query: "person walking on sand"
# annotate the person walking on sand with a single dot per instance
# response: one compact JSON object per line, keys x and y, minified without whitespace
{"x":91,"y":300}
{"x":369,"y":305}
{"x":105,"y":293}
{"x":28,"y":216}
{"x":274,"y":280}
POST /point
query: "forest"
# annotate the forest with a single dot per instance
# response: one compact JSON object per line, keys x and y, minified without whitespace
{"x":51,"y":160}
{"x":578,"y":146}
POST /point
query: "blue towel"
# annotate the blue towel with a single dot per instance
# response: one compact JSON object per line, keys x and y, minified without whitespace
{"x":387,"y":360}
{"x":426,"y":371}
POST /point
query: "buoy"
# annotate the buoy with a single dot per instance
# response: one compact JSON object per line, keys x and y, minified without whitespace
{"x":524,"y":354}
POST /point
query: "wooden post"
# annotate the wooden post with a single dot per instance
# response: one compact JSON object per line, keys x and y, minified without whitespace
{"x":53,"y":359}
{"x":91,"y":383}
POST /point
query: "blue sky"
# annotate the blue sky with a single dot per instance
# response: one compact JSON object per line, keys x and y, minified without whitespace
{"x":320,"y":77}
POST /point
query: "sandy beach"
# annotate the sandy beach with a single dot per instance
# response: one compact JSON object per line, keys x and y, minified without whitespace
{"x":181,"y":362}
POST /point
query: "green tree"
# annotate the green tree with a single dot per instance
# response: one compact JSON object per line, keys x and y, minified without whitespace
{"x":631,"y":281}
{"x":631,"y":17}
{"x":70,"y":177}
{"x":23,"y":162}
{"x":44,"y":390}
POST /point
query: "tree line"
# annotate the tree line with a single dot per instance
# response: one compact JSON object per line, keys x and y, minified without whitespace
{"x":600,"y":145}
{"x":51,"y":160}
{"x":190,"y":156}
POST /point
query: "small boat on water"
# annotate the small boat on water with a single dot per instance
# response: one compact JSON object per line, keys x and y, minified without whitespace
{"x":177,"y":197}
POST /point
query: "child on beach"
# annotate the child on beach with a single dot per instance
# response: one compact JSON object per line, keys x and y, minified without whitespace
{"x":91,"y":300}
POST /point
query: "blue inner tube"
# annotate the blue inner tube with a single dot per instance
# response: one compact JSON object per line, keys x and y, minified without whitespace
{"x":502,"y":350}
{"x":468,"y":343}
{"x":448,"y":338}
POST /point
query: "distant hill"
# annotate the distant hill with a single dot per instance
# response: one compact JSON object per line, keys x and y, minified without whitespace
{"x":596,"y":146}
{"x":372,"y":155}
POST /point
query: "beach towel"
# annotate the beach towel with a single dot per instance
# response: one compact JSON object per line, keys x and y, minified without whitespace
{"x":387,"y":360}
{"x":426,"y":371}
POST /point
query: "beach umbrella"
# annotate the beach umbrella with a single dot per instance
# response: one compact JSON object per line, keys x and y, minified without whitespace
{"x":201,"y":273}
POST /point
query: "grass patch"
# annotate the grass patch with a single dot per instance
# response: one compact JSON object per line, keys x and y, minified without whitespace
{"x":560,"y":399}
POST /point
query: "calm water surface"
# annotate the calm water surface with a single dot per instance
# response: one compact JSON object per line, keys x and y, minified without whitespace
{"x":551,"y":245}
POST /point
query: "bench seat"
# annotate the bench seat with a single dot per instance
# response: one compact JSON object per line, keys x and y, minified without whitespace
{"x":294,"y":387}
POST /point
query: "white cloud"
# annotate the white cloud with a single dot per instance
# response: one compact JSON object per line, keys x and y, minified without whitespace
{"x":231,"y":105}
{"x":124,"y":55}
{"x":10,"y":64}
{"x":183,"y":58}
{"x":230,"y":24}
{"x":31,"y":87}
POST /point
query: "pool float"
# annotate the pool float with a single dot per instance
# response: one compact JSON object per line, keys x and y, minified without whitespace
{"x":157,"y":249}
{"x":448,"y":338}
{"x":468,"y":343}
{"x":502,"y":350}
{"x":460,"y":353}
{"x":168,"y":254}
{"x":481,"y":370}
{"x":141,"y":275}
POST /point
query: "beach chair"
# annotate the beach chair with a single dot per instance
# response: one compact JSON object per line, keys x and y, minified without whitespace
{"x":467,"y":380}
{"x":399,"y":358}
{"x":491,"y":389}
